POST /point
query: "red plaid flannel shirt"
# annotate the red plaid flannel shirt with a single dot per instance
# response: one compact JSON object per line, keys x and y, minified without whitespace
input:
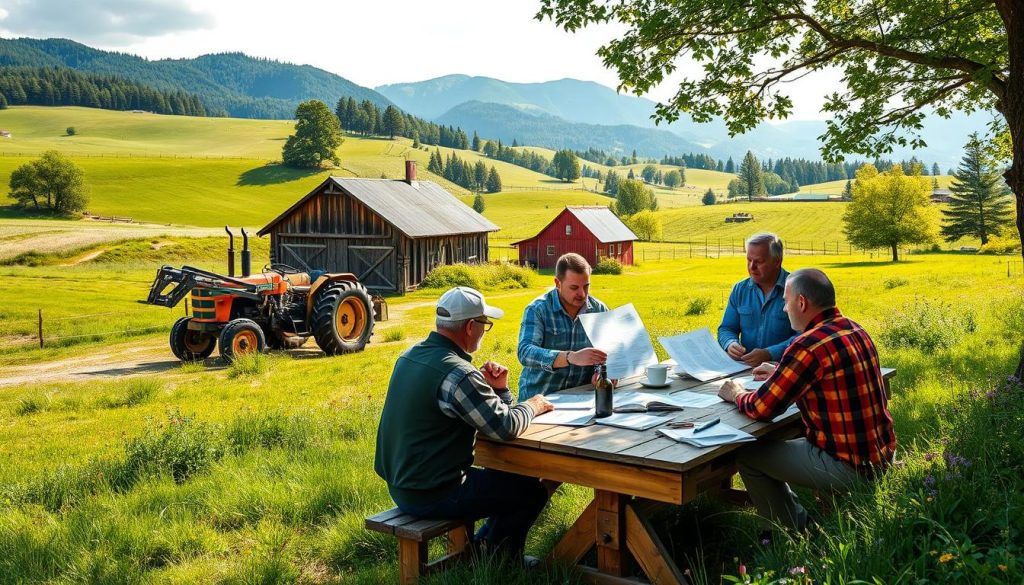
{"x":831,"y":371}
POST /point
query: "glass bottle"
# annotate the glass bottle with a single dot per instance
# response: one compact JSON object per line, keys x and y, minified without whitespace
{"x":602,"y":393}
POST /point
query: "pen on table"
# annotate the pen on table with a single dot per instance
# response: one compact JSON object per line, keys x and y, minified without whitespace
{"x":707,"y":425}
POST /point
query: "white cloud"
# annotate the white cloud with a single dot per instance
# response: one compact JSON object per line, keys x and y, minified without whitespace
{"x":112,"y":23}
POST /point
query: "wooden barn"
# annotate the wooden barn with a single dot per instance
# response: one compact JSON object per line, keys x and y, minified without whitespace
{"x":389,"y":233}
{"x":591,"y":232}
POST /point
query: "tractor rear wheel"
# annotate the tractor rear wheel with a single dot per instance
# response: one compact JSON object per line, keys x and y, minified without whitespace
{"x":241,"y":336}
{"x":188,"y":345}
{"x":342,"y":317}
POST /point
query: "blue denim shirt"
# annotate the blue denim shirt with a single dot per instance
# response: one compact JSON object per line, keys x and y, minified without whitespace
{"x":547,"y":330}
{"x":755,"y":322}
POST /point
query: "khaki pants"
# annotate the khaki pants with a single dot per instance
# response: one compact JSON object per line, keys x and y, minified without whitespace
{"x":768,"y":467}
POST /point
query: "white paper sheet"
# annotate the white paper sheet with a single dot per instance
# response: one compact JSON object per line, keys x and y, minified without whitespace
{"x":791,"y":410}
{"x":621,"y":334}
{"x":569,"y":418}
{"x":571,"y":401}
{"x":720,"y":434}
{"x":635,"y":421}
{"x":749,"y":383}
{"x":699,"y":355}
{"x":695,"y":399}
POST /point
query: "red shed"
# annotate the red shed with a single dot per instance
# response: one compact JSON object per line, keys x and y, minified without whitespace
{"x":593,"y":232}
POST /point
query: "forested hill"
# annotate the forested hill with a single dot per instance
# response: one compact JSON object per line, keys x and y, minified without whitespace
{"x":228,"y":84}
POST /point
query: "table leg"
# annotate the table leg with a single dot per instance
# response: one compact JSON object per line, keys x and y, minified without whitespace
{"x":611,"y":532}
{"x":579,"y":539}
{"x":648,"y":550}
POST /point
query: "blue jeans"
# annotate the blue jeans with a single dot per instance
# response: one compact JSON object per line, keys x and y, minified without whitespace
{"x":510,"y":502}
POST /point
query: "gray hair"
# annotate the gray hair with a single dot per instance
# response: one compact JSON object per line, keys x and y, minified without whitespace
{"x":453,"y":326}
{"x":765,"y":238}
{"x":814,"y":286}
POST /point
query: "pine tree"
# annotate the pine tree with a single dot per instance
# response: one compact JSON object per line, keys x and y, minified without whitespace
{"x":751,"y":176}
{"x":515,"y":144}
{"x":394,"y":123}
{"x":3,"y":102}
{"x":476,"y":142}
{"x":978,"y":205}
{"x":493,"y":181}
{"x":848,"y":190}
{"x":611,"y":183}
{"x":478,"y":203}
{"x":709,"y":197}
{"x":730,"y":167}
{"x":935,"y":169}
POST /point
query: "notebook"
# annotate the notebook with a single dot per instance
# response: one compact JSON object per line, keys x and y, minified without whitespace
{"x":571,"y":401}
{"x":633,"y":420}
{"x":569,"y":418}
{"x":720,"y":434}
{"x":645,"y":402}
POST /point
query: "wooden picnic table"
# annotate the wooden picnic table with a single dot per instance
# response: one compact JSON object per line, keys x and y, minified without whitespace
{"x":623,"y":464}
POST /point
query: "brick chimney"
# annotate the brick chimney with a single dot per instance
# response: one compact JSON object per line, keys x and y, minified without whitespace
{"x":410,"y":173}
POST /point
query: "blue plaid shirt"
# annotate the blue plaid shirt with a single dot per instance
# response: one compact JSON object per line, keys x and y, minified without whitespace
{"x":756,"y":322}
{"x":547,"y":330}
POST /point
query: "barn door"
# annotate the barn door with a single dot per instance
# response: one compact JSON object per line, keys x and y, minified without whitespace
{"x":304,"y":256}
{"x":374,"y":266}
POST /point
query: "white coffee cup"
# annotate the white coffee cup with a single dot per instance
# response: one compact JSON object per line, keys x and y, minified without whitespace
{"x":657,"y":374}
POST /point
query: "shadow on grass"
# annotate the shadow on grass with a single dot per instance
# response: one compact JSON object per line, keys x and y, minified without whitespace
{"x":272,"y":174}
{"x":16,"y":212}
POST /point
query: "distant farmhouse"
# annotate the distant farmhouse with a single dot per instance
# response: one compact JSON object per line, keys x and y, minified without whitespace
{"x":593,"y":232}
{"x":941,"y":195}
{"x":5,"y":133}
{"x":389,"y":233}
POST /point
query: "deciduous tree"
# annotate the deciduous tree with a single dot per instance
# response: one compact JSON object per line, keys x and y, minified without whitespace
{"x":889,"y":210}
{"x":53,"y":182}
{"x":316,"y":139}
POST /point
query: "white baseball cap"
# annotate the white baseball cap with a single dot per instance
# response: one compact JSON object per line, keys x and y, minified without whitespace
{"x":462,"y":302}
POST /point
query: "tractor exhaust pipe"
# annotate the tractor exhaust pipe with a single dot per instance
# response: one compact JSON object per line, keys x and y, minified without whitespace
{"x":231,"y":252}
{"x":246,"y":254}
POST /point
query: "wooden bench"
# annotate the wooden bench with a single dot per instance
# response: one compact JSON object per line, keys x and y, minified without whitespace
{"x":414,"y":534}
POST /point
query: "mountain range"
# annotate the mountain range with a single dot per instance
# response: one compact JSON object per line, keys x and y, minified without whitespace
{"x":565,"y":113}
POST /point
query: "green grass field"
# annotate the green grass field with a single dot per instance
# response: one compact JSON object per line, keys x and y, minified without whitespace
{"x":274,"y":455}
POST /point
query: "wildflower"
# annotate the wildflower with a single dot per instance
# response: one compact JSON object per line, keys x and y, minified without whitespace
{"x":1002,"y":567}
{"x":991,"y":394}
{"x":946,"y":557}
{"x":933,"y":552}
{"x":929,"y":481}
{"x":929,"y":456}
{"x":743,"y":570}
{"x":798,"y":570}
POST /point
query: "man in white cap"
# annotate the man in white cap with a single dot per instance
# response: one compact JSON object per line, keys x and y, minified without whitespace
{"x":436,"y":404}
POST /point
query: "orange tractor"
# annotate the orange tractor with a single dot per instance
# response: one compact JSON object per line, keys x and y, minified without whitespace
{"x":280,"y":308}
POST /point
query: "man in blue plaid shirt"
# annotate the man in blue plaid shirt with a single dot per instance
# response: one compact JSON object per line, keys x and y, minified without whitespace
{"x":553,"y":347}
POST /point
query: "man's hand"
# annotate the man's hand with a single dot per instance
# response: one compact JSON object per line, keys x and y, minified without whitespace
{"x":495,"y":374}
{"x":730,"y":390}
{"x":539,"y":404}
{"x":736,"y":351}
{"x":763,"y":371}
{"x":590,"y":356}
{"x":755,"y":357}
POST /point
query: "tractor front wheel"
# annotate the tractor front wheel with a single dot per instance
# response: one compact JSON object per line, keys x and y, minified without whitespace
{"x":342,"y":317}
{"x":188,"y":345}
{"x":239,"y":337}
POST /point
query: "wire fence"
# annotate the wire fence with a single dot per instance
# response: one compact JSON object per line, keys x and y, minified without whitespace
{"x":136,"y":155}
{"x":46,"y":330}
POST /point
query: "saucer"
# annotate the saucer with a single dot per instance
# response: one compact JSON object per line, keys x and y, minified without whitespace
{"x":647,"y":384}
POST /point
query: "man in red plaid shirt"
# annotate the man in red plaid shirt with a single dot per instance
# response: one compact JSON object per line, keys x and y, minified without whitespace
{"x":831,"y":372}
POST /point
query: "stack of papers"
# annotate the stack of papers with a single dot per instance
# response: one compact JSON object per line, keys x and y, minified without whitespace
{"x":720,"y":434}
{"x":569,"y":418}
{"x":571,"y":401}
{"x":621,"y":334}
{"x":645,"y":402}
{"x":749,"y":383}
{"x":695,"y":399}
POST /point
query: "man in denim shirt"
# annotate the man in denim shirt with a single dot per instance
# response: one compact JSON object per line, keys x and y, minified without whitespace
{"x":553,"y":347}
{"x":755,"y":329}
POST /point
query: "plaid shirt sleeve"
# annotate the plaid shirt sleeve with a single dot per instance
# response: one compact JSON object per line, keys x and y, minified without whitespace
{"x":466,"y":395}
{"x":797,"y":371}
{"x":531,"y":336}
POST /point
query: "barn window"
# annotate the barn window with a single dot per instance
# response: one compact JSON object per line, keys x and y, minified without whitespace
{"x":611,"y":249}
{"x":551,"y":250}
{"x":568,"y":229}
{"x":620,"y":247}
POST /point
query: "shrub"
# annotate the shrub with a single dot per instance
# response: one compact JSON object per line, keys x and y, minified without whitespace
{"x":698,"y":306}
{"x":71,"y":131}
{"x":608,"y":266}
{"x":448,"y":276}
{"x":929,"y":326}
{"x":181,"y":447}
{"x":478,"y":276}
{"x":891,"y":283}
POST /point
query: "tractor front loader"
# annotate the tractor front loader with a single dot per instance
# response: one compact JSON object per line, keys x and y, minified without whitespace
{"x":280,"y":308}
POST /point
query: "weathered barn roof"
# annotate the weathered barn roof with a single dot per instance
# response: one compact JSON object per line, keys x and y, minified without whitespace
{"x":420,"y":211}
{"x":599,"y":220}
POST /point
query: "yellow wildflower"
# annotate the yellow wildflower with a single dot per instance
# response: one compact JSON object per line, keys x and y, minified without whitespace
{"x":946,"y":557}
{"x":1002,"y":568}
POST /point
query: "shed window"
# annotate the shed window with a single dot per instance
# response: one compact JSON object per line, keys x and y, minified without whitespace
{"x":551,"y":250}
{"x":568,"y":229}
{"x":620,"y":247}
{"x":611,"y":249}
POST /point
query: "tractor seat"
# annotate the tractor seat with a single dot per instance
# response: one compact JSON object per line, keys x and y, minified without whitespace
{"x":299,"y":279}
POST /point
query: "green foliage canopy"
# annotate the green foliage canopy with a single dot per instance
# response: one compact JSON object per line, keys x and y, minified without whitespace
{"x":890,"y":210}
{"x":316,"y":139}
{"x":52,"y":183}
{"x":978,"y":205}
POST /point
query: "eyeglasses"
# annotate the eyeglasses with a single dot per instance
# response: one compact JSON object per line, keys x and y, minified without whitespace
{"x":487,"y":324}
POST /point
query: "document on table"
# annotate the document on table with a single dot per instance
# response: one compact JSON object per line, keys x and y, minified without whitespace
{"x":569,"y":418}
{"x":633,"y":420}
{"x":749,"y":383}
{"x":699,"y":355}
{"x":690,"y":399}
{"x":621,"y":334}
{"x":571,"y":401}
{"x":791,"y":410}
{"x":720,"y":434}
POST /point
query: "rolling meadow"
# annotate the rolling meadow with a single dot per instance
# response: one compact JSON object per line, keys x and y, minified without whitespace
{"x":261,"y":471}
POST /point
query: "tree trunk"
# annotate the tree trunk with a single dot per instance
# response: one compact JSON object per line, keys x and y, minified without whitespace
{"x":895,"y":253}
{"x":1012,"y":108}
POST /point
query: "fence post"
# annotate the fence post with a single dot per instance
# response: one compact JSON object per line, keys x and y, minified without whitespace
{"x":40,"y":329}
